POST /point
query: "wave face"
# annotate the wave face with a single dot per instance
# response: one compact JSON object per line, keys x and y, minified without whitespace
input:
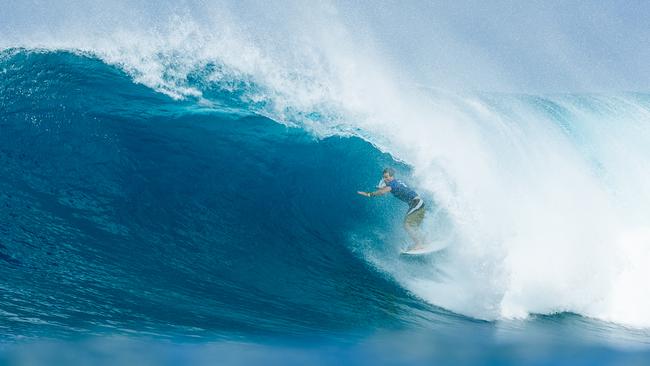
{"x":124,"y":208}
{"x":193,"y":173}
{"x":130,"y":207}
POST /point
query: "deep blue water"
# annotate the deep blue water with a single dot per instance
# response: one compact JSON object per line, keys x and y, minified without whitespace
{"x":131,"y":221}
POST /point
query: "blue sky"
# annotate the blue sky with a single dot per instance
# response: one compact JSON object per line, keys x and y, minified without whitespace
{"x":522,"y":46}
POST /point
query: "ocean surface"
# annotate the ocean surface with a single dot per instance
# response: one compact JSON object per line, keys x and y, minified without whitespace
{"x":164,"y":204}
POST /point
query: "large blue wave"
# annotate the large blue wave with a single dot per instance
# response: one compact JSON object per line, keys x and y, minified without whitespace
{"x":125,"y":209}
{"x":189,"y":171}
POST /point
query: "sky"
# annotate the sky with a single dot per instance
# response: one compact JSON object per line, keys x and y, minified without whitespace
{"x":522,"y":45}
{"x":503,"y":46}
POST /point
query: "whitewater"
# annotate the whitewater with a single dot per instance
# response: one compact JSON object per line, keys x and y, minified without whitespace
{"x":539,"y":192}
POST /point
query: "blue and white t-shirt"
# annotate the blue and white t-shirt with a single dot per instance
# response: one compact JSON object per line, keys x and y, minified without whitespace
{"x":401,"y":190}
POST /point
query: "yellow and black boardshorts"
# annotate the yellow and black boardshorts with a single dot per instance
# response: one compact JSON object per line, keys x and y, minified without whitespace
{"x":415,"y":214}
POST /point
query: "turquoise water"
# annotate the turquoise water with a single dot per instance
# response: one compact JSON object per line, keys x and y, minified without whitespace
{"x":144,"y":221}
{"x":139,"y":226}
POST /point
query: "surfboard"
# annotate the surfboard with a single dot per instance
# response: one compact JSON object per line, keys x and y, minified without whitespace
{"x":420,"y":251}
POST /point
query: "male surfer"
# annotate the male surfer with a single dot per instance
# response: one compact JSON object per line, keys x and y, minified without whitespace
{"x":415,"y":213}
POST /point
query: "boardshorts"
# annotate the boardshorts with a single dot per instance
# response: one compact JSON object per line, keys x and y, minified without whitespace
{"x":415,"y":214}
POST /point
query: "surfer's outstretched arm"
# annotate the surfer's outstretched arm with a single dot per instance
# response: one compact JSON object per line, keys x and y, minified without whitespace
{"x":378,"y":192}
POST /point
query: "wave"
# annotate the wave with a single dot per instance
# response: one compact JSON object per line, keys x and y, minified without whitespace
{"x":124,"y":207}
{"x":541,"y":199}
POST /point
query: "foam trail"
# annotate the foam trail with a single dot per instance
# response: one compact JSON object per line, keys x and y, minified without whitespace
{"x":547,"y":195}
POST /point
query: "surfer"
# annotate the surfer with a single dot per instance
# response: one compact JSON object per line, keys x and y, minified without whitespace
{"x":415,"y":213}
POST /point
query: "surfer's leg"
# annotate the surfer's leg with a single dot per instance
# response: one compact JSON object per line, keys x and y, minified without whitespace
{"x":412,"y":221}
{"x":415,"y":237}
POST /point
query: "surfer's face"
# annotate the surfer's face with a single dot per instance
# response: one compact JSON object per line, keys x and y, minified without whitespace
{"x":387,"y":178}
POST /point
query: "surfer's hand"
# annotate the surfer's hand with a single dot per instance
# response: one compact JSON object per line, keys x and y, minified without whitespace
{"x":364,"y":193}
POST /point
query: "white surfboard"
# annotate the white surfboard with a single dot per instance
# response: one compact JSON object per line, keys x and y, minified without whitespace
{"x":420,"y":251}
